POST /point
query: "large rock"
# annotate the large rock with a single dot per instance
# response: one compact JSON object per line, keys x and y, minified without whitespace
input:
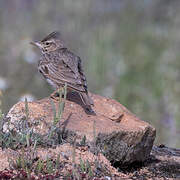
{"x":120,"y":135}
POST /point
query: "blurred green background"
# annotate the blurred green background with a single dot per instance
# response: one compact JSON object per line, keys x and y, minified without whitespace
{"x":130,"y":51}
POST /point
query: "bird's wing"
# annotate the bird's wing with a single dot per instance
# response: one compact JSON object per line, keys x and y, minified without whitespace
{"x":82,"y":75}
{"x":73,"y":63}
{"x":61,"y":73}
{"x":71,"y":60}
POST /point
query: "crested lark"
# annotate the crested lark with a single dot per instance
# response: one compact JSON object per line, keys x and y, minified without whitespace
{"x":59,"y":66}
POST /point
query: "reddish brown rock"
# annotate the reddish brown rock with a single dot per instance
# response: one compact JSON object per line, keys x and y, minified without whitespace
{"x":8,"y":160}
{"x":164,"y":162}
{"x":120,"y":135}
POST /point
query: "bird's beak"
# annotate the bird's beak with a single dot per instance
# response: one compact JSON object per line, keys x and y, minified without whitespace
{"x":37,"y":44}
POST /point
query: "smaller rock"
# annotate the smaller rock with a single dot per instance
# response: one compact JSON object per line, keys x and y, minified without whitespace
{"x":8,"y":159}
{"x":66,"y":156}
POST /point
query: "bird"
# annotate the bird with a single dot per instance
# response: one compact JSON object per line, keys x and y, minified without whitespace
{"x":60,"y":66}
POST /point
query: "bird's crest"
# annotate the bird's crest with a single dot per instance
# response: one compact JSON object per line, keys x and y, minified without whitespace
{"x":53,"y":35}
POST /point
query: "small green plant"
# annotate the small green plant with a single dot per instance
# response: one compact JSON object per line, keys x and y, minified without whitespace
{"x":94,"y":131}
{"x":58,"y":114}
{"x":57,"y":162}
{"x":74,"y":152}
{"x":1,"y":121}
{"x":61,"y":105}
{"x":85,"y":167}
{"x":49,"y":166}
{"x":1,"y":126}
{"x":29,"y":164}
{"x":39,"y":167}
{"x":83,"y":141}
{"x":26,"y":109}
{"x":94,"y":146}
{"x":1,"y":115}
{"x":24,"y":161}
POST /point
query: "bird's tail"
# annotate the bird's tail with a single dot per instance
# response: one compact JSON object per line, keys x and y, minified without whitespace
{"x":86,"y":99}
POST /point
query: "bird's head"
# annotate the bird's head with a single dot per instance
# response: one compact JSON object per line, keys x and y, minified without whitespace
{"x":50,"y":43}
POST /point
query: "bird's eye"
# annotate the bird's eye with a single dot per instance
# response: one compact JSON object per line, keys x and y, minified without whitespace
{"x":47,"y":43}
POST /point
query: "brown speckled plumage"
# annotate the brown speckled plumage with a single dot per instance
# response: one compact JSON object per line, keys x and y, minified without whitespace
{"x":59,"y":66}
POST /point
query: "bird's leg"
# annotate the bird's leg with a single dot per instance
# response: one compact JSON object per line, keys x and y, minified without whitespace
{"x":56,"y":94}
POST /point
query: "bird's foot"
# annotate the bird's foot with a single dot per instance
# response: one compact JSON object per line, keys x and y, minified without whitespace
{"x":89,"y":110}
{"x":56,"y":95}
